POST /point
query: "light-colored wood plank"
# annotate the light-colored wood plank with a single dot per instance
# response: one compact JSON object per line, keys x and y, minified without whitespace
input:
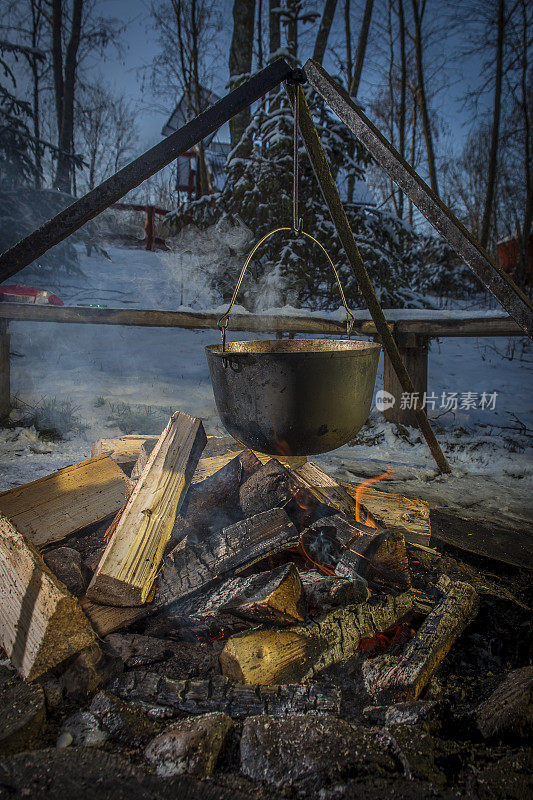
{"x":130,"y":562}
{"x":409,"y":515}
{"x":51,"y":508}
{"x":41,"y":624}
{"x":124,"y":450}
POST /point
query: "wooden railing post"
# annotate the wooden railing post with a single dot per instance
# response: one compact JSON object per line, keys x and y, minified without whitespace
{"x":414,"y":352}
{"x":5,"y":383}
{"x":149,"y":228}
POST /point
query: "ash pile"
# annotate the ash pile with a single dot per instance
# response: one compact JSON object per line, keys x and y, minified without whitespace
{"x":184,"y":617}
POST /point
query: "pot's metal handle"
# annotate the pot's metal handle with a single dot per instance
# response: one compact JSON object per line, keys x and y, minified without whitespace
{"x":224,"y":320}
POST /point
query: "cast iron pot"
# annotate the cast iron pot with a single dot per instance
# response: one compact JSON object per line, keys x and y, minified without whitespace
{"x":293,"y":396}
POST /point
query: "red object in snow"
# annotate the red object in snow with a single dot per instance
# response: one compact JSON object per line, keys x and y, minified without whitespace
{"x":508,"y":253}
{"x":29,"y":294}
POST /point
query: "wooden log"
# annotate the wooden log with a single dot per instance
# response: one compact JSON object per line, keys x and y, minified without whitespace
{"x":23,"y":715}
{"x":326,"y":489}
{"x":41,"y":624}
{"x":213,"y":503}
{"x":297,"y":654}
{"x":274,"y":597}
{"x":324,"y":592}
{"x":392,"y":679}
{"x":130,"y":562}
{"x":5,"y":380}
{"x":376,"y":554}
{"x":142,"y":459}
{"x":124,"y":450}
{"x":192,"y":568}
{"x":414,"y":355}
{"x":509,"y":709}
{"x":220,"y":694}
{"x":51,"y":508}
{"x":408,"y":515}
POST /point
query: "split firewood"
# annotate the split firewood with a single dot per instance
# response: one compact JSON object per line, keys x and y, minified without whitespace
{"x":192,"y":568}
{"x":326,"y":489}
{"x":297,"y":654}
{"x":51,"y":508}
{"x":376,"y":554}
{"x":106,"y":619}
{"x":220,"y":694}
{"x":509,"y":709}
{"x":124,"y":450}
{"x":391,"y":679}
{"x":275,"y":596}
{"x":409,"y":515}
{"x":131,"y":560}
{"x":324,"y":592}
{"x":142,"y":460}
{"x":41,"y":624}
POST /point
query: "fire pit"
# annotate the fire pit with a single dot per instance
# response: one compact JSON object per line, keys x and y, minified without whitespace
{"x":250,"y":620}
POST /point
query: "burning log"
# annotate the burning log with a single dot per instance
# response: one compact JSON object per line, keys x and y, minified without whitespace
{"x":220,"y":694}
{"x":324,"y":592}
{"x":393,"y":679}
{"x":326,"y":490}
{"x":51,"y":508}
{"x":275,"y":596}
{"x":41,"y":624}
{"x":376,"y":554}
{"x":297,"y":654}
{"x":130,"y":561}
{"x":192,"y":568}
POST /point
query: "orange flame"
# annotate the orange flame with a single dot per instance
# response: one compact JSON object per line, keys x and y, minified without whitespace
{"x":389,"y":472}
{"x":282,"y":446}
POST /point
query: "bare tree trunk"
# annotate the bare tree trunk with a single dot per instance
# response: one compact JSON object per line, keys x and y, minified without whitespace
{"x":358,"y":69}
{"x":63,"y":178}
{"x":495,"y":133}
{"x":203,"y":183}
{"x":361,"y":49}
{"x":525,"y":105}
{"x":240,"y":60}
{"x":422,"y":100}
{"x":292,"y":30}
{"x":324,"y":28}
{"x":274,"y":28}
{"x":403,"y":94}
{"x":57,"y":60}
{"x":413,"y":152}
{"x":348,"y":42}
{"x":36,"y":111}
{"x":260,"y":62}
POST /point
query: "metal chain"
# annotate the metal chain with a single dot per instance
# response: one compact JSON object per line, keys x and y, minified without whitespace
{"x":297,"y":222}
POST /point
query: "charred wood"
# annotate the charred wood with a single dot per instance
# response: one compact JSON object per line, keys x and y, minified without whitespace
{"x":220,"y":694}
{"x":392,"y":679}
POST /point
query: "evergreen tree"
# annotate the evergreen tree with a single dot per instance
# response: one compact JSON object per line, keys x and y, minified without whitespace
{"x":16,"y":156}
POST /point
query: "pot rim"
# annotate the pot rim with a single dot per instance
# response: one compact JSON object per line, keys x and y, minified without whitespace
{"x":293,"y":347}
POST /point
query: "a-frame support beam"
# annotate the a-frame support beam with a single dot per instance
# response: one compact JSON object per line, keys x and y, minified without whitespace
{"x":499,"y":284}
{"x":323,"y":174}
{"x":133,"y":174}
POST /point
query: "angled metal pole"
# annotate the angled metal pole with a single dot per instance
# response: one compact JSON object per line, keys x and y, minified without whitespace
{"x":94,"y":202}
{"x":338,"y":215}
{"x":499,"y":284}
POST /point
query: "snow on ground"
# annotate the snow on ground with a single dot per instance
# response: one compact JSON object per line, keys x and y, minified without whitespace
{"x":117,"y":377}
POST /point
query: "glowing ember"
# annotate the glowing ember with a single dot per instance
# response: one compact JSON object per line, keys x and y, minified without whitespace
{"x":389,"y":472}
{"x":282,"y":447}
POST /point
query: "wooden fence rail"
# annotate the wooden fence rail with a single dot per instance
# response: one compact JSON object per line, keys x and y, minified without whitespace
{"x":412,"y":334}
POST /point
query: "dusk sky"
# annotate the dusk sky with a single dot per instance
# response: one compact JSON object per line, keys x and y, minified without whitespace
{"x":140,"y":47}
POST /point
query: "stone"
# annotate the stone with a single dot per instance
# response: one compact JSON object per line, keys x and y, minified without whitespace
{"x":310,"y":751}
{"x":83,"y":729}
{"x":122,"y":722}
{"x":90,"y":669}
{"x":67,"y":565}
{"x":22,"y":717}
{"x":190,"y":746}
{"x":137,"y":650}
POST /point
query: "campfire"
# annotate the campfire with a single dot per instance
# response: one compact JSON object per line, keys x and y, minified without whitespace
{"x":282,"y":572}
